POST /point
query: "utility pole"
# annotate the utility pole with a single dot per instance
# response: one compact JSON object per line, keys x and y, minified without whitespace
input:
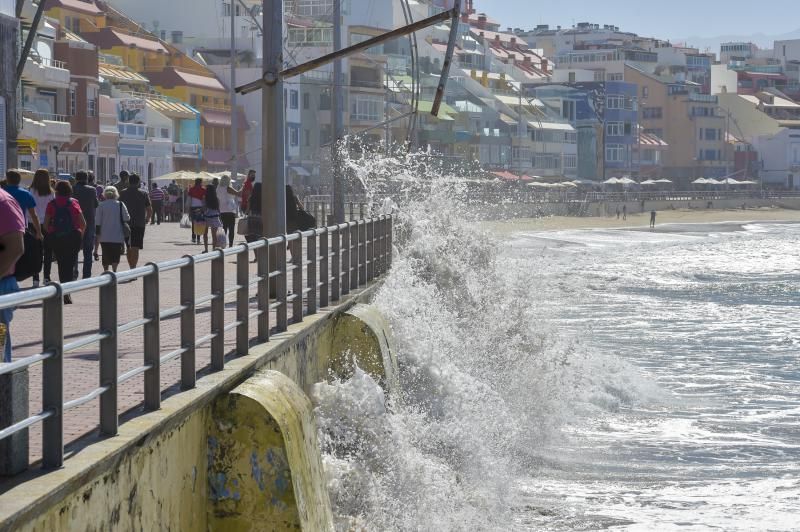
{"x":337,"y":118}
{"x":387,"y":133}
{"x":234,"y":114}
{"x":273,"y":166}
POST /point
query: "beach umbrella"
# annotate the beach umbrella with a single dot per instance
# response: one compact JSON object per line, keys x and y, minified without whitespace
{"x":26,"y":175}
{"x":731,"y":181}
{"x":184,"y":178}
{"x":626,"y":181}
{"x":648,"y":182}
{"x":700,"y":181}
{"x":612,"y":181}
{"x":710,"y":181}
{"x":663,"y":181}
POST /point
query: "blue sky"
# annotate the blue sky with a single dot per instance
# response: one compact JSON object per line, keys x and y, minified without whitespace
{"x":661,"y":18}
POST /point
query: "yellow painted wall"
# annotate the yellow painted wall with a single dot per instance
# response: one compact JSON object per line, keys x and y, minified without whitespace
{"x":138,"y":59}
{"x":88,"y":23}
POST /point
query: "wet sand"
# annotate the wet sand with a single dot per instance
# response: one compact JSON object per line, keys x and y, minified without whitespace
{"x":666,"y":221}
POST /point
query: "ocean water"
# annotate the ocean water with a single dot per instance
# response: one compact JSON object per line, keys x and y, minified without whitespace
{"x":576,"y":380}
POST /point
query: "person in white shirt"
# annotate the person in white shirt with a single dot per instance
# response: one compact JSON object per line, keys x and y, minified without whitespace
{"x":228,"y":207}
{"x":43,"y":193}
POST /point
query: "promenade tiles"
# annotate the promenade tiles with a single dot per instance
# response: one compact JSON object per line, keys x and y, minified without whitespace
{"x":81,"y":368}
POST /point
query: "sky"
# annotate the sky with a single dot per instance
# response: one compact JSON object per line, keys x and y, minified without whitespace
{"x":670,"y":19}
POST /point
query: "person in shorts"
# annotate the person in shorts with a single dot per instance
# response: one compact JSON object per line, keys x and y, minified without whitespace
{"x":137,"y":202}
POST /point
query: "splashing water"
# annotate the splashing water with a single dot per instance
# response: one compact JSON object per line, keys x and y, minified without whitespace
{"x":485,"y":382}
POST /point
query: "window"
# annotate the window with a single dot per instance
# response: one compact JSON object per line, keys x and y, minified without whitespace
{"x":325,"y":100}
{"x":614,"y":77}
{"x":366,"y":107}
{"x":657,"y":132}
{"x":306,"y":100}
{"x":293,"y":99}
{"x":164,"y":132}
{"x":615,"y":102}
{"x":294,"y":135}
{"x":570,"y":161}
{"x":307,"y":137}
{"x":614,"y":129}
{"x":615,"y":153}
{"x":73,"y":105}
{"x":92,"y":107}
{"x":645,"y":92}
{"x":652,"y":113}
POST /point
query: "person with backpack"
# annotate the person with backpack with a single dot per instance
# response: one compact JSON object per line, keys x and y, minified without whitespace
{"x":86,"y":195}
{"x":65,"y":225}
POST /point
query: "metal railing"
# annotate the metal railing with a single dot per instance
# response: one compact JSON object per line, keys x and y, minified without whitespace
{"x":325,"y":264}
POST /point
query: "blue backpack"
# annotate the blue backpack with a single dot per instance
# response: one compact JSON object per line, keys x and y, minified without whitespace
{"x":62,"y":220}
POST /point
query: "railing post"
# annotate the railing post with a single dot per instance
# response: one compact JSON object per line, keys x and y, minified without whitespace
{"x":109,"y":420}
{"x":345,"y":273}
{"x":53,"y":380}
{"x":324,"y":268}
{"x":370,"y":262}
{"x":218,"y":311}
{"x":362,"y":252}
{"x":312,"y":281}
{"x":380,"y":241}
{"x":262,"y":256}
{"x":336,"y":263}
{"x":297,"y":278}
{"x":361,"y":211}
{"x":352,"y":213}
{"x":188,"y":338}
{"x":282,"y":282}
{"x":152,"y":341}
{"x":354,"y":238}
{"x":324,"y":213}
{"x":389,"y":241}
{"x":243,"y":301}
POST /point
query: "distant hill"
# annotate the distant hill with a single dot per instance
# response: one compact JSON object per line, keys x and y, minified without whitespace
{"x":711,"y":44}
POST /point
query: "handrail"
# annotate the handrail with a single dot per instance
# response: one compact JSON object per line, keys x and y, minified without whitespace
{"x":326,"y":264}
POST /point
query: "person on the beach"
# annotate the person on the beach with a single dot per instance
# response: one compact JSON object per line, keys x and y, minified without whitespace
{"x":624,"y":212}
{"x":617,"y":212}
{"x":653,"y":219}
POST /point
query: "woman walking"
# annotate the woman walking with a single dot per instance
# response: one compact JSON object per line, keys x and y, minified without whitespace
{"x":227,"y":208}
{"x":65,"y":226}
{"x":211,"y":215}
{"x":111,"y":217}
{"x":43,"y":193}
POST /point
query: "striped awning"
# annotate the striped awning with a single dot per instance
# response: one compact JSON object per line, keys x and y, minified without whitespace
{"x":120,"y":74}
{"x":652,"y":141}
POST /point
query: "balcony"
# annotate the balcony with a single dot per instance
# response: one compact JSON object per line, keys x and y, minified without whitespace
{"x":703,"y":98}
{"x":184,"y":150}
{"x":46,"y":127}
{"x":42,"y":72}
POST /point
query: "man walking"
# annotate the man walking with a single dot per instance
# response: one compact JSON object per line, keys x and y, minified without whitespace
{"x":157,"y":201}
{"x":25,"y":200}
{"x":87,"y":198}
{"x":12,"y":229}
{"x":138,"y":204}
{"x":653,"y":219}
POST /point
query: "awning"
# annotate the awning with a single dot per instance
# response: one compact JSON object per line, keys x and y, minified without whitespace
{"x":299,"y":170}
{"x":222,"y":119}
{"x":121,"y":74}
{"x":223,"y":158}
{"x":561,"y":126}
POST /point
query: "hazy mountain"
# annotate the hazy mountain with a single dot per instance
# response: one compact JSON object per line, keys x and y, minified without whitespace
{"x":711,"y":44}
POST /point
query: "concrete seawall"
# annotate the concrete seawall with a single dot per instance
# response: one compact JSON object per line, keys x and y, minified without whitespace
{"x":238,"y":452}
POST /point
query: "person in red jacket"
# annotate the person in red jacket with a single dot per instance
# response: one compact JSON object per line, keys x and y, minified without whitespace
{"x":247,"y":190}
{"x":197,"y":196}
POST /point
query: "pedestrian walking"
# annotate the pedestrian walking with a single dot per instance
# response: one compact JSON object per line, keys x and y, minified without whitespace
{"x":157,"y":201}
{"x":197,"y":196}
{"x":212,"y":215}
{"x":247,"y":190}
{"x":624,"y":212}
{"x":227,"y":208}
{"x":653,"y":219}
{"x":12,"y":246}
{"x":112,"y":215}
{"x":43,"y":193}
{"x":87,"y":199}
{"x":65,"y":225}
{"x":617,"y":212}
{"x":26,"y":201}
{"x":137,"y":202}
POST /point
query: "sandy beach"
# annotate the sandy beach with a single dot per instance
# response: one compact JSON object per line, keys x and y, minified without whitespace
{"x":667,"y":221}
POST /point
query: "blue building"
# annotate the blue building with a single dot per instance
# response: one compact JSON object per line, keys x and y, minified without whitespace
{"x":605,"y":116}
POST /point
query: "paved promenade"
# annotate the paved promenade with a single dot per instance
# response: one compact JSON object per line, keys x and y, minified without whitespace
{"x":81,"y":368}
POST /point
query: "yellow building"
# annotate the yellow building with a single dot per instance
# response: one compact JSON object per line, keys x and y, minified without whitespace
{"x":78,"y":16}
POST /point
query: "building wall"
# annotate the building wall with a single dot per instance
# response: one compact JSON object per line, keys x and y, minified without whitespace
{"x":723,"y":80}
{"x":779,"y":158}
{"x":9,"y":35}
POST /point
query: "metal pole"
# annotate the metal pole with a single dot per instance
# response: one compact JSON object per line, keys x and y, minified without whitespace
{"x":26,"y":50}
{"x":53,"y":381}
{"x":109,"y":421}
{"x":218,"y":311}
{"x":234,"y":114}
{"x":243,"y":301}
{"x":273,"y":192}
{"x":188,"y":373}
{"x":152,"y":341}
{"x":337,"y":118}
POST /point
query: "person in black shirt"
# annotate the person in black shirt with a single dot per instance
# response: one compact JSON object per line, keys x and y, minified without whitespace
{"x":138,"y":204}
{"x":87,"y":199}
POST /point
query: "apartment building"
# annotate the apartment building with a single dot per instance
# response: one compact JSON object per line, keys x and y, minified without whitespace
{"x":46,"y":94}
{"x":689,"y":121}
{"x":9,"y":37}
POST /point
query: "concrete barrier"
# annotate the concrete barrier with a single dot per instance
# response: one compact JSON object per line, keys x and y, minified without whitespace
{"x":191,"y":465}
